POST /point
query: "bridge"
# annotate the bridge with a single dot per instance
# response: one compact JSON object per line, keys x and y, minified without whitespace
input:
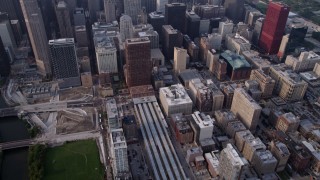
{"x":17,"y":144}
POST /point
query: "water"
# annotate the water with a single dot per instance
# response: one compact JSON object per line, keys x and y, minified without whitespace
{"x":14,"y":162}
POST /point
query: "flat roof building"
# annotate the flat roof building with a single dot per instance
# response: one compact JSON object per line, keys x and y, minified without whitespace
{"x":112,"y":114}
{"x":174,"y":99}
{"x":281,"y":153}
{"x":288,"y":85}
{"x":118,"y":153}
{"x":305,"y":62}
{"x":246,"y":108}
{"x":202,"y":125}
{"x":237,"y":66}
{"x":231,"y":163}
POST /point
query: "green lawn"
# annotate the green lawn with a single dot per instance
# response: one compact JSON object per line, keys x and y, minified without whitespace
{"x":75,"y":160}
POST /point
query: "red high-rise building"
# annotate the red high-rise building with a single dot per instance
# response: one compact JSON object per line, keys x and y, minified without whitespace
{"x":273,"y":27}
{"x":138,"y":62}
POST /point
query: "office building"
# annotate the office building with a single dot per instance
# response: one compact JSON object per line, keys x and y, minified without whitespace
{"x":234,"y":10}
{"x":6,"y":32}
{"x":266,"y":83}
{"x":4,"y":61}
{"x":156,"y":19}
{"x":94,"y":8}
{"x":288,"y":85}
{"x":86,"y":79}
{"x":225,"y":28}
{"x":182,"y":128}
{"x":256,"y":34}
{"x":273,"y":27}
{"x":161,"y":5}
{"x":237,"y":66}
{"x":257,"y":62}
{"x":160,"y":152}
{"x":236,"y":43}
{"x":202,"y":126}
{"x":132,"y":8}
{"x":213,"y":164}
{"x":288,"y":122}
{"x":251,"y":146}
{"x":174,"y":99}
{"x":192,"y":153}
{"x":281,"y":152}
{"x":205,"y":46}
{"x":153,"y":37}
{"x":241,"y":137}
{"x":291,"y":41}
{"x":149,"y":5}
{"x":231,"y":163}
{"x":215,"y":40}
{"x":245,"y":108}
{"x":64,"y":62}
{"x":64,"y":20}
{"x":264,"y":162}
{"x":106,"y":53}
{"x":208,"y":11}
{"x":138,"y":62}
{"x":81,"y":36}
{"x":13,"y":9}
{"x":126,"y":27}
{"x":206,"y":96}
{"x":79,"y":18}
{"x":234,"y":127}
{"x":157,"y":57}
{"x":187,"y":75}
{"x":192,"y":24}
{"x":112,"y":114}
{"x":305,"y":62}
{"x":118,"y":153}
{"x":179,"y":59}
{"x":17,"y":30}
{"x":37,"y":34}
{"x":110,"y":10}
{"x":223,"y":118}
{"x":175,"y":14}
{"x":171,"y":38}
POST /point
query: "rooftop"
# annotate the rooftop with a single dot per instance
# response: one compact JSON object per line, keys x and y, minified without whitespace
{"x":235,"y":60}
{"x":111,"y":107}
{"x":202,"y":120}
{"x":175,"y":94}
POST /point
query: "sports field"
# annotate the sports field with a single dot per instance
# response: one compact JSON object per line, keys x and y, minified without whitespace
{"x":73,"y":161}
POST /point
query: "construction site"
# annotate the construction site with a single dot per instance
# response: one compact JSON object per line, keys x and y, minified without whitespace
{"x":75,"y":120}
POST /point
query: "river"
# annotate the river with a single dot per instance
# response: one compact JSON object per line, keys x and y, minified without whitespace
{"x":14,"y":162}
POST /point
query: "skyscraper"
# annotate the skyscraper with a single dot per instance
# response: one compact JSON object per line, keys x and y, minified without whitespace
{"x":171,"y":38}
{"x":150,"y":5}
{"x":175,"y":15}
{"x":235,"y":10}
{"x":161,"y":5}
{"x":110,"y":10}
{"x":106,"y":53}
{"x":64,"y":21}
{"x":37,"y":34}
{"x":138,"y":62}
{"x":94,"y":7}
{"x":192,"y":24}
{"x":6,"y":32}
{"x":4,"y":61}
{"x":79,"y":18}
{"x":132,"y":8}
{"x":13,"y":8}
{"x":273,"y":27}
{"x":126,"y":30}
{"x":64,"y":62}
